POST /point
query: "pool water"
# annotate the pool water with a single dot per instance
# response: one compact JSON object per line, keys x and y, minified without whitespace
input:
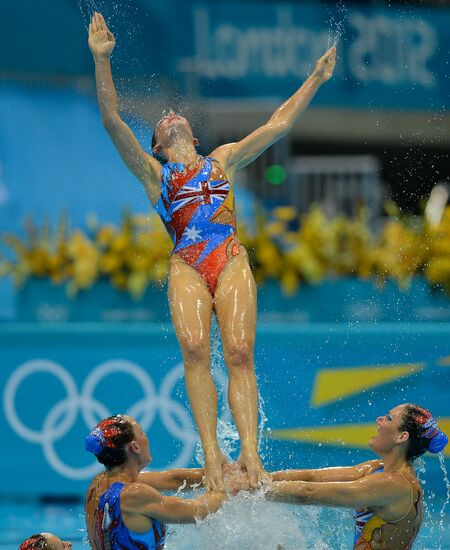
{"x":244,"y":522}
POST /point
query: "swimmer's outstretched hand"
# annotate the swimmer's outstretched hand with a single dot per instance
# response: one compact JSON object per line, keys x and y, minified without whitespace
{"x":325,"y":65}
{"x":101,"y":39}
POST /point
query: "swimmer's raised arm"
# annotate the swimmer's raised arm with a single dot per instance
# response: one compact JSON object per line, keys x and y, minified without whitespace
{"x":380,"y":490}
{"x":142,"y":165}
{"x":342,"y":473}
{"x":241,"y":153}
{"x":171,"y":480}
{"x":147,"y":501}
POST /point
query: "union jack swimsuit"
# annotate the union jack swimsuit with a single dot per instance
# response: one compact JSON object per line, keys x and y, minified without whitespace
{"x":197,"y":208}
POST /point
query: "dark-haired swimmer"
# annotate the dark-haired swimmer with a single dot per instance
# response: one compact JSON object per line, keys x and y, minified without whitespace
{"x":45,"y":541}
{"x":386,"y":493}
{"x":209,"y":269}
{"x":124,"y":506}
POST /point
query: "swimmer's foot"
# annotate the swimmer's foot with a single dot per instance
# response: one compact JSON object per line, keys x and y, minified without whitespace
{"x":213,"y":479}
{"x":254,"y":468}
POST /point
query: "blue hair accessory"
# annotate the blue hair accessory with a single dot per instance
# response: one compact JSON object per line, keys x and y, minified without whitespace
{"x":438,"y":442}
{"x":95,"y":442}
{"x":438,"y":439}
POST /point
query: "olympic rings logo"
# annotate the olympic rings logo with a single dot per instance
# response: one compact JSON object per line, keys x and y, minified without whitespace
{"x":62,"y":416}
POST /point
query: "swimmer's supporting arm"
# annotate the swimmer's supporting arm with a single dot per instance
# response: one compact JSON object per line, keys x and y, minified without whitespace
{"x":142,"y":165}
{"x":145,"y":500}
{"x":343,"y":473}
{"x":242,"y":153}
{"x":172,"y":480}
{"x":369,"y":491}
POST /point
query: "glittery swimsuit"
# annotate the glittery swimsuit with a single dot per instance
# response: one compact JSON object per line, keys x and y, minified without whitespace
{"x":197,"y":207}
{"x":112,"y":534}
{"x":375,"y":533}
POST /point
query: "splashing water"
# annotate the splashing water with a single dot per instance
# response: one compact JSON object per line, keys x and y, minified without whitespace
{"x":336,"y":26}
{"x":434,"y":529}
{"x":87,"y":8}
{"x":250,"y":521}
{"x":442,"y":528}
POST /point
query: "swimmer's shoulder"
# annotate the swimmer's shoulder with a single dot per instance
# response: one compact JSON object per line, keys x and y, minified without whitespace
{"x":135,"y":494}
{"x":369,"y":467}
{"x":97,"y":487}
{"x":222,"y":153}
{"x":221,"y":156}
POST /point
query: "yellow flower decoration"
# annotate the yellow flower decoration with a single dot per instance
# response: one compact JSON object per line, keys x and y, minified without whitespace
{"x":136,"y":253}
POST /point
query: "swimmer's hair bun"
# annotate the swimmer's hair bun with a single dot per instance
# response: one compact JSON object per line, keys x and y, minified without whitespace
{"x":95,"y":442}
{"x":438,"y":442}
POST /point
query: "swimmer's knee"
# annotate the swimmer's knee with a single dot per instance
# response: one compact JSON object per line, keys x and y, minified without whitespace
{"x":239,"y":355}
{"x":195,"y":351}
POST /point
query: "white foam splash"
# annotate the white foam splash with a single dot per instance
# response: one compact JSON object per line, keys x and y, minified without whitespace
{"x":250,"y":521}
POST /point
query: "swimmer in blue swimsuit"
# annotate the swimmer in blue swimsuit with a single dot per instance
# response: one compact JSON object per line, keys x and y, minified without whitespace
{"x":386,"y":493}
{"x":209,"y":271}
{"x":124,"y":506}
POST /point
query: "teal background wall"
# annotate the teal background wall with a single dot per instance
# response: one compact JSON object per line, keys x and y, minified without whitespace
{"x":57,"y":381}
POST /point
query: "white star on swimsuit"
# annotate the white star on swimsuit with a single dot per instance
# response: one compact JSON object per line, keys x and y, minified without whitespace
{"x":192,"y":233}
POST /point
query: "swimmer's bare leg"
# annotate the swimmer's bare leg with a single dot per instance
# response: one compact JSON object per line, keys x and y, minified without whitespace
{"x":191,"y":309}
{"x":235,"y":305}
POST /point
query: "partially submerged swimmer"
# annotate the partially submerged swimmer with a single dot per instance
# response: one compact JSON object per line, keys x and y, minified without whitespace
{"x":45,"y":541}
{"x":124,"y":506}
{"x":386,"y":493}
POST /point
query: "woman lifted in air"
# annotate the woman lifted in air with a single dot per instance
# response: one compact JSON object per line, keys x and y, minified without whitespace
{"x":209,"y":268}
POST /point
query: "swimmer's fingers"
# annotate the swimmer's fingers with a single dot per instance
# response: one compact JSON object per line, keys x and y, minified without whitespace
{"x":209,"y":483}
{"x":102,"y":26}
{"x":215,"y":485}
{"x":98,"y":21}
{"x":325,"y":66}
{"x":328,"y":57}
{"x":331,"y":57}
{"x":93,"y":25}
{"x":206,"y":483}
{"x":102,"y":22}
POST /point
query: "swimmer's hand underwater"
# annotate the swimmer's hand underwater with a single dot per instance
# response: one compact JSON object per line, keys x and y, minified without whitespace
{"x":101,"y":39}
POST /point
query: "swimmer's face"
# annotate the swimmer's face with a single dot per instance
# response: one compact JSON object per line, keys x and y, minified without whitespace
{"x":56,"y":543}
{"x":388,"y":431}
{"x":142,"y":443}
{"x":172,"y":128}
